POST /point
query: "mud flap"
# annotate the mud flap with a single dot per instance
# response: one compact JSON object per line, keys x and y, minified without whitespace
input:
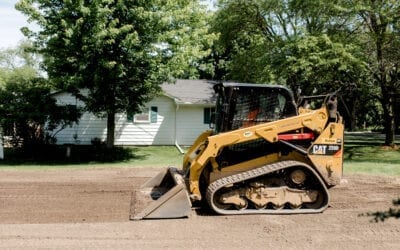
{"x":163,"y":196}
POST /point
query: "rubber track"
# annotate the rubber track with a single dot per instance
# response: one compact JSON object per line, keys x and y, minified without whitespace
{"x":257,"y":172}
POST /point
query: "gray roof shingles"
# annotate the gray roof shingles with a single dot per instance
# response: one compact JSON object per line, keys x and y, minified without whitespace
{"x":190,"y":91}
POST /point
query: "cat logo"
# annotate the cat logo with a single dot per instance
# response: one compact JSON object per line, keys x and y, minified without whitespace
{"x":325,"y":149}
{"x":319,"y":149}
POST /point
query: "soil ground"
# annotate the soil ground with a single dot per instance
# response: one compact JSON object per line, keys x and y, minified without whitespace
{"x":90,"y":209}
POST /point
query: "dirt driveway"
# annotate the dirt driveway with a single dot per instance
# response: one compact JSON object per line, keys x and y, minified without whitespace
{"x":90,"y":209}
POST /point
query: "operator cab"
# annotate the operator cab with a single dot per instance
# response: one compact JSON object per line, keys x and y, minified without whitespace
{"x":242,"y":105}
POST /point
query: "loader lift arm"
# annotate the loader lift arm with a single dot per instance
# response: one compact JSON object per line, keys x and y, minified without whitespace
{"x":314,"y":120}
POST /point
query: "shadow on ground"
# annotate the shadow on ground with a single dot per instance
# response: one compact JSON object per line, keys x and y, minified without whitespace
{"x":69,"y":154}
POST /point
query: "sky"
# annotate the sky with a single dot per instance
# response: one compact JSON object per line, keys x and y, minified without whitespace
{"x":11,"y":21}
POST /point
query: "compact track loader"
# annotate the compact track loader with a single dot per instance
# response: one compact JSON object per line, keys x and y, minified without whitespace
{"x":264,"y":155}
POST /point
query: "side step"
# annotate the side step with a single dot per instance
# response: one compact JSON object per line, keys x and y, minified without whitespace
{"x":163,"y":196}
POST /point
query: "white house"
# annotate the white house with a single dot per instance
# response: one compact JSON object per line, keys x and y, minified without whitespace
{"x":176,"y":117}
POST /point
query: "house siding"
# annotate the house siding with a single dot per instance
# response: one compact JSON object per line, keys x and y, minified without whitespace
{"x":126,"y":132}
{"x":183,"y":122}
{"x":190,"y":123}
{"x":159,"y":133}
{"x":88,"y":128}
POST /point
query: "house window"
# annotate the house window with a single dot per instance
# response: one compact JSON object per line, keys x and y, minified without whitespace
{"x":147,"y":115}
{"x":143,"y":116}
{"x":207,"y":115}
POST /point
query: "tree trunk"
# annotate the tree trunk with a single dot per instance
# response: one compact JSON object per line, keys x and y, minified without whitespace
{"x":390,"y":131}
{"x":353,"y":119}
{"x":390,"y":124}
{"x":110,"y":129}
{"x":350,"y":110}
{"x":379,"y":30}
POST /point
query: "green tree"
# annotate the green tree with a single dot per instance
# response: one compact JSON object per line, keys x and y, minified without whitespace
{"x":120,"y":50}
{"x":378,"y":26}
{"x":288,"y":42}
{"x":250,"y":33}
{"x":18,"y":62}
{"x":315,"y":46}
{"x":29,"y":114}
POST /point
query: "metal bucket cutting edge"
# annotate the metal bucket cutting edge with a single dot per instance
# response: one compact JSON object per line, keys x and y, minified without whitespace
{"x":163,"y":196}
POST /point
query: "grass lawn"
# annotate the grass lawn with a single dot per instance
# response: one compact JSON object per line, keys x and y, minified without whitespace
{"x":363,"y":155}
{"x":151,"y":156}
{"x":156,"y":156}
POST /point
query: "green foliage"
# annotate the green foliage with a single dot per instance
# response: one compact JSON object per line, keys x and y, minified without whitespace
{"x":316,"y":64}
{"x":121,"y":51}
{"x":28,"y":113}
{"x":18,"y":63}
{"x":245,"y":39}
{"x":379,"y":22}
{"x":286,"y":42}
{"x":316,"y":46}
{"x":22,"y":55}
{"x":186,"y":42}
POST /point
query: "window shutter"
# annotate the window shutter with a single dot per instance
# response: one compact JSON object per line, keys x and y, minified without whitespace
{"x":207,"y":115}
{"x":153,"y":114}
{"x":129,"y":117}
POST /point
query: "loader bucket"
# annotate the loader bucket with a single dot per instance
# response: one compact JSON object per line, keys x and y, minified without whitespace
{"x":163,"y":196}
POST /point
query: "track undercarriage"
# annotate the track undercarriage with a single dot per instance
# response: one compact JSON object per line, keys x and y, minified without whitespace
{"x":283,"y":187}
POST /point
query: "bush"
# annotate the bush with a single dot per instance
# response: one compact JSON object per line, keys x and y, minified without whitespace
{"x":29,"y":113}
